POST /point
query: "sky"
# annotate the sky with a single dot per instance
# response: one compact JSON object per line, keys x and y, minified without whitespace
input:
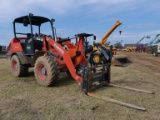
{"x":139,"y":17}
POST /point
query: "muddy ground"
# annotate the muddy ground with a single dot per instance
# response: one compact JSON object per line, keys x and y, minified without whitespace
{"x":22,"y":98}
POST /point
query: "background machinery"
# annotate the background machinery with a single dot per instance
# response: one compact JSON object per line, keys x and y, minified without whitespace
{"x":118,"y":45}
{"x":129,"y":48}
{"x":3,"y":51}
{"x":50,"y":56}
{"x":153,"y":46}
{"x":117,"y":60}
{"x":141,"y":47}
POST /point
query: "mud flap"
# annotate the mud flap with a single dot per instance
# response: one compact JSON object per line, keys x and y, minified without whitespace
{"x":120,"y":60}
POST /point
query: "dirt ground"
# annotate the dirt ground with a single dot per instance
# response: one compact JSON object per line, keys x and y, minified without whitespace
{"x":22,"y":98}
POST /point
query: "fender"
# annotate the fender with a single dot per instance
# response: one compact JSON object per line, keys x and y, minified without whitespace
{"x":24,"y":59}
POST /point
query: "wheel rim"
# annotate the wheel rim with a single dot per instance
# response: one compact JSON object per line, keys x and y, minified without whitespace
{"x":15,"y":66}
{"x":96,"y":58}
{"x":42,"y":72}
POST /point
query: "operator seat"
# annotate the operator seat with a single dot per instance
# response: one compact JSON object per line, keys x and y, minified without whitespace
{"x":32,"y":44}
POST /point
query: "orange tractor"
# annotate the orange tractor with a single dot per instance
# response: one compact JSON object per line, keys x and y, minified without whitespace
{"x":49,"y":56}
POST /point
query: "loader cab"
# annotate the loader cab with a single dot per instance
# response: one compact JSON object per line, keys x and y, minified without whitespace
{"x":29,"y":30}
{"x":87,"y":48}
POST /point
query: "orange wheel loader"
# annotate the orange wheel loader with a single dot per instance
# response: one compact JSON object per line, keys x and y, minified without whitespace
{"x":50,"y":56}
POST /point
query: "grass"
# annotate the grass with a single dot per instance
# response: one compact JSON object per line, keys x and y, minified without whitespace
{"x":23,"y":98}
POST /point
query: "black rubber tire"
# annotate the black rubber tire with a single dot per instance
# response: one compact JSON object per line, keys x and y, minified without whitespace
{"x":51,"y":74}
{"x":17,"y":68}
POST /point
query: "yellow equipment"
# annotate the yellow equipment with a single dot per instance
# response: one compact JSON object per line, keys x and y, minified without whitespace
{"x":104,"y":39}
{"x":129,"y":49}
{"x":117,"y":60}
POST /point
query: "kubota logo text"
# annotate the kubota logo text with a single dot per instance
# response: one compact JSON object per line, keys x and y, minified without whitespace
{"x":58,"y":48}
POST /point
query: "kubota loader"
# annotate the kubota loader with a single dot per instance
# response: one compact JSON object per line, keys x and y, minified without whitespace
{"x":50,"y":56}
{"x":117,"y":60}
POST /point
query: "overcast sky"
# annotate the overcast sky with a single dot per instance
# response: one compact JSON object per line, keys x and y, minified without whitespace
{"x":139,"y":17}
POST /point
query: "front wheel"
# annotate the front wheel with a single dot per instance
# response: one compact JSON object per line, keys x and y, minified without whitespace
{"x":46,"y":71}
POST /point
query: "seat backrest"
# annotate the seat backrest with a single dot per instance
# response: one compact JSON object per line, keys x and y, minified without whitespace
{"x":29,"y":36}
{"x":37,"y":45}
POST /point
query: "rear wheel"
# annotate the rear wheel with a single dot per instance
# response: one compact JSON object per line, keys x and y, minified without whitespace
{"x":46,"y":71}
{"x":17,"y":68}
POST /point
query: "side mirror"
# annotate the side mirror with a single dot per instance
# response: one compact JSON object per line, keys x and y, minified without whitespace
{"x":94,"y":37}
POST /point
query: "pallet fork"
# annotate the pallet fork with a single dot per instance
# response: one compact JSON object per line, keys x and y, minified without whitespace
{"x":97,"y":78}
{"x":107,"y":99}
